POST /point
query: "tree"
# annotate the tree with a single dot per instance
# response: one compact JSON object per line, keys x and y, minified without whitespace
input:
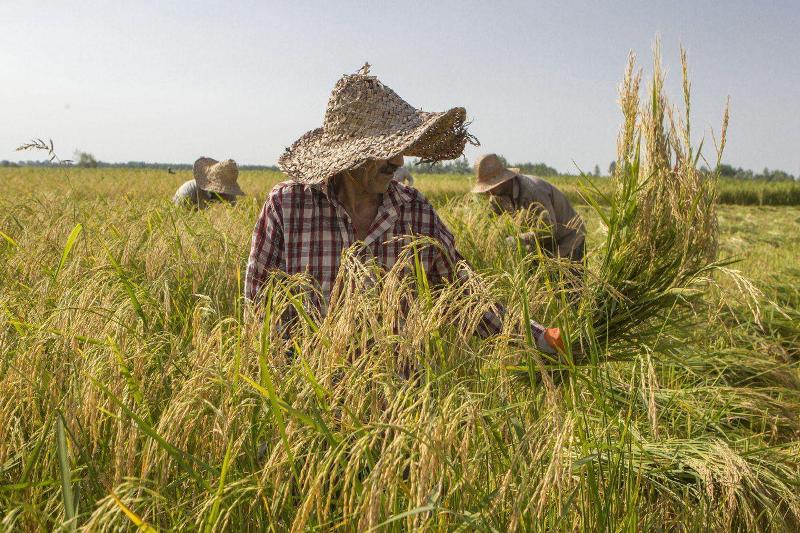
{"x":612,"y":168}
{"x":537,"y":169}
{"x":85,"y":159}
{"x":459,"y":166}
{"x":727,"y":171}
{"x":597,"y":170}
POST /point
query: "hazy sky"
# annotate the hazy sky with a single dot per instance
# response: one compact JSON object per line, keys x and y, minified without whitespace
{"x":170,"y":81}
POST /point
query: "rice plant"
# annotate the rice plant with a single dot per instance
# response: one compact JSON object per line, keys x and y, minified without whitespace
{"x":138,"y":392}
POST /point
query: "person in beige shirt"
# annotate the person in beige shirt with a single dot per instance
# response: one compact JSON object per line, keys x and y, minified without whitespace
{"x":512,"y":191}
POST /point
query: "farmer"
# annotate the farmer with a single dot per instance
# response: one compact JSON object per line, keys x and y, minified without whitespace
{"x":511,"y":191}
{"x":402,"y":175}
{"x":342,"y":192}
{"x":214,"y":181}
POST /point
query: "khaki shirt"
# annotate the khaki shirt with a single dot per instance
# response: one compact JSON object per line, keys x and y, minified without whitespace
{"x":531,"y":192}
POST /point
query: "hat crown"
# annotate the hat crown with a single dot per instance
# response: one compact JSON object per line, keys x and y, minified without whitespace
{"x":217,"y":176}
{"x":362,"y":106}
{"x":488,"y":167}
{"x":225,"y":171}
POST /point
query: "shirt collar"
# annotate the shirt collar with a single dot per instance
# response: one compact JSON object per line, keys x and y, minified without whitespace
{"x":399,"y":193}
{"x":395,"y":195}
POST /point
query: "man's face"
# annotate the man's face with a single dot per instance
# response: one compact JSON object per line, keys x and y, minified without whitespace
{"x":378,"y":174}
{"x":505,"y":189}
{"x":502,"y":196}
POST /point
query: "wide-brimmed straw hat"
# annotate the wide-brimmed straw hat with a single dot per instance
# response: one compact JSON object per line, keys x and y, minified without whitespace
{"x":491,"y":173}
{"x":366,"y":121}
{"x":217,"y":176}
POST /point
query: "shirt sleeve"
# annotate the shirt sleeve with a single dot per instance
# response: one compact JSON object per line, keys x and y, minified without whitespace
{"x":266,"y":248}
{"x":569,"y":230}
{"x":186,"y":194}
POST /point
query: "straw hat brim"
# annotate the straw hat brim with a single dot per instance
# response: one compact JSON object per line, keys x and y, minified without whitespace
{"x":486,"y":186}
{"x":433,"y":136}
{"x":204,"y":183}
{"x":231,"y":189}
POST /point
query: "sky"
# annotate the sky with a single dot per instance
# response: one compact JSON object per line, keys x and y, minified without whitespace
{"x":172,"y":81}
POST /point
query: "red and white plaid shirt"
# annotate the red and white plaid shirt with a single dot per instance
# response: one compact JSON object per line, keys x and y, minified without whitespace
{"x":304,"y":229}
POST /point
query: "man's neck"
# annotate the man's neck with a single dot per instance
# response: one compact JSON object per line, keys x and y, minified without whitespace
{"x":360,"y":203}
{"x":353,"y":196}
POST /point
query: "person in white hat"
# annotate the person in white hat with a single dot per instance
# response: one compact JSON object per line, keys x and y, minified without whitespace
{"x":342,"y":192}
{"x":512,"y":191}
{"x":214,"y":181}
{"x":402,"y":175}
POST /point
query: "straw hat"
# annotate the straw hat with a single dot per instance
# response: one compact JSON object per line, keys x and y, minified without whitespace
{"x":491,"y":173}
{"x":217,"y":176}
{"x":366,"y":120}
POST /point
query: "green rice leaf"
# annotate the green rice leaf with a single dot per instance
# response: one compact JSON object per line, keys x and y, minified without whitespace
{"x":67,"y":494}
{"x":73,"y":236}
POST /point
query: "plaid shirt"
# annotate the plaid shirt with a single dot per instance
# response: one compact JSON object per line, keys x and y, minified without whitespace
{"x":304,"y":229}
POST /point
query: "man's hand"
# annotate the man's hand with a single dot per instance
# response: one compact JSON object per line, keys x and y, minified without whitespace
{"x":528,"y":240}
{"x":550,"y":341}
{"x":553,"y":337}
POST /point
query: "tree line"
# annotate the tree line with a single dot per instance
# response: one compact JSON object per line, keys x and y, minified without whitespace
{"x":87,"y":160}
{"x":462,"y":166}
{"x":458,"y":166}
{"x":728,"y":171}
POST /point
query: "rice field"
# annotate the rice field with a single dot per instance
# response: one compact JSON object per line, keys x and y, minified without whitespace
{"x":128,"y":374}
{"x":137,"y":391}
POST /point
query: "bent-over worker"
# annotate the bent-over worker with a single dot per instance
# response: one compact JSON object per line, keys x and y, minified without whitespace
{"x":512,"y":191}
{"x":214,"y":181}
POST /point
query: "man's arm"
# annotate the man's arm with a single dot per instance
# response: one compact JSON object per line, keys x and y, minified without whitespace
{"x":572,"y":245}
{"x":266,"y":248}
{"x":446,"y":267}
{"x":570,"y":231}
{"x":187,"y":195}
